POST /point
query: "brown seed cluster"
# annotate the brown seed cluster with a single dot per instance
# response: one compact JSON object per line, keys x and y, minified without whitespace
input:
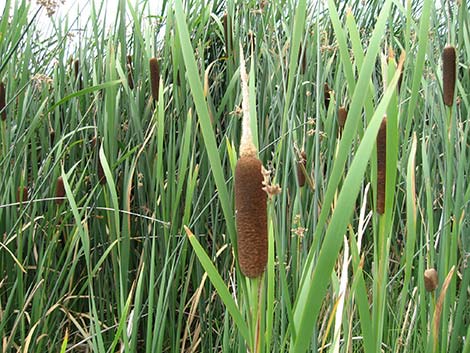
{"x":326,"y":94}
{"x":59,"y":191}
{"x":154,"y":77}
{"x":381,"y":165}
{"x":430,"y":279}
{"x":301,"y":165}
{"x":130,"y":79}
{"x":22,"y":194}
{"x":3,"y":103}
{"x":251,"y":217}
{"x":342,"y":116}
{"x":448,"y":74}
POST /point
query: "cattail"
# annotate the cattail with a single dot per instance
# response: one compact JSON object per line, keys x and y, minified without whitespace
{"x":430,"y":279}
{"x":227,"y":33}
{"x":22,"y":194}
{"x":59,"y":191}
{"x":51,"y":136}
{"x":381,"y":165}
{"x":302,"y":60}
{"x":3,"y":104}
{"x":78,"y":75}
{"x":326,"y":93}
{"x":250,"y":198}
{"x":448,"y":74}
{"x":130,"y":79}
{"x":301,"y":165}
{"x":154,"y":77}
{"x":342,"y":115}
{"x":101,"y":175}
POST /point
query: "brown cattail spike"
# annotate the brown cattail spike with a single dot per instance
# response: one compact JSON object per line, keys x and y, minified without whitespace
{"x":78,"y":76}
{"x":302,"y":59}
{"x":154,"y":77}
{"x":251,"y":217}
{"x":59,"y":191}
{"x":130,"y":79}
{"x":326,"y":94}
{"x":250,"y":198}
{"x":381,"y":165}
{"x":22,"y":194}
{"x":342,"y":116}
{"x":3,"y":114}
{"x":101,"y":175}
{"x":430,"y":279}
{"x":227,"y":33}
{"x":448,"y":74}
{"x":301,"y":165}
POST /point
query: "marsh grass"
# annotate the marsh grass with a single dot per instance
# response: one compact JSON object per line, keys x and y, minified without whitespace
{"x":141,"y":254}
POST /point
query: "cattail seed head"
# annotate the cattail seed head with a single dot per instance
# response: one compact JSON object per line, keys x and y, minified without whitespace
{"x":300,"y":171}
{"x":430,"y":279}
{"x":251,"y":217}
{"x":448,"y":74}
{"x":342,"y":115}
{"x":227,"y":33}
{"x":130,"y":79}
{"x":326,"y":94}
{"x":101,"y":175}
{"x":381,"y":165}
{"x":3,"y":104}
{"x":302,"y":59}
{"x":78,"y":75}
{"x":154,"y":77}
{"x":22,"y":194}
{"x":59,"y":191}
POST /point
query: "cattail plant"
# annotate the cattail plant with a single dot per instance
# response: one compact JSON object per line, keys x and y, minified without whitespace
{"x":430,"y":279}
{"x":22,"y":194}
{"x":227,"y":33}
{"x":448,"y":74}
{"x":250,"y":198}
{"x":3,"y":104}
{"x":130,"y":79}
{"x":59,"y":191}
{"x":154,"y":77}
{"x":302,"y":59}
{"x":381,"y":165}
{"x":78,"y":75}
{"x":301,"y":165}
{"x":326,"y":95}
{"x":342,"y":116}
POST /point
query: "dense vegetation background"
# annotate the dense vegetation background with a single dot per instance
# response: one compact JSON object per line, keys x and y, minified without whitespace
{"x":100,"y":176}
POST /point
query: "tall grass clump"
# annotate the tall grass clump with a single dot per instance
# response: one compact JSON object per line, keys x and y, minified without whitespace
{"x":178,"y":201}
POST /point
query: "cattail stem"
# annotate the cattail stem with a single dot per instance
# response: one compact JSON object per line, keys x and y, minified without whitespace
{"x":381,"y":165}
{"x":154,"y":77}
{"x":448,"y":74}
{"x":250,"y":198}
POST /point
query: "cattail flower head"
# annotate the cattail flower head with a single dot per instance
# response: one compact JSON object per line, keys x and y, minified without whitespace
{"x":326,"y":95}
{"x":381,"y":165}
{"x":301,"y":165}
{"x":22,"y":194}
{"x":59,"y":191}
{"x":342,"y":115}
{"x":3,"y":104}
{"x":250,"y":198}
{"x":130,"y":79}
{"x":448,"y":74}
{"x":302,"y":59}
{"x":430,"y":279}
{"x":154,"y":77}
